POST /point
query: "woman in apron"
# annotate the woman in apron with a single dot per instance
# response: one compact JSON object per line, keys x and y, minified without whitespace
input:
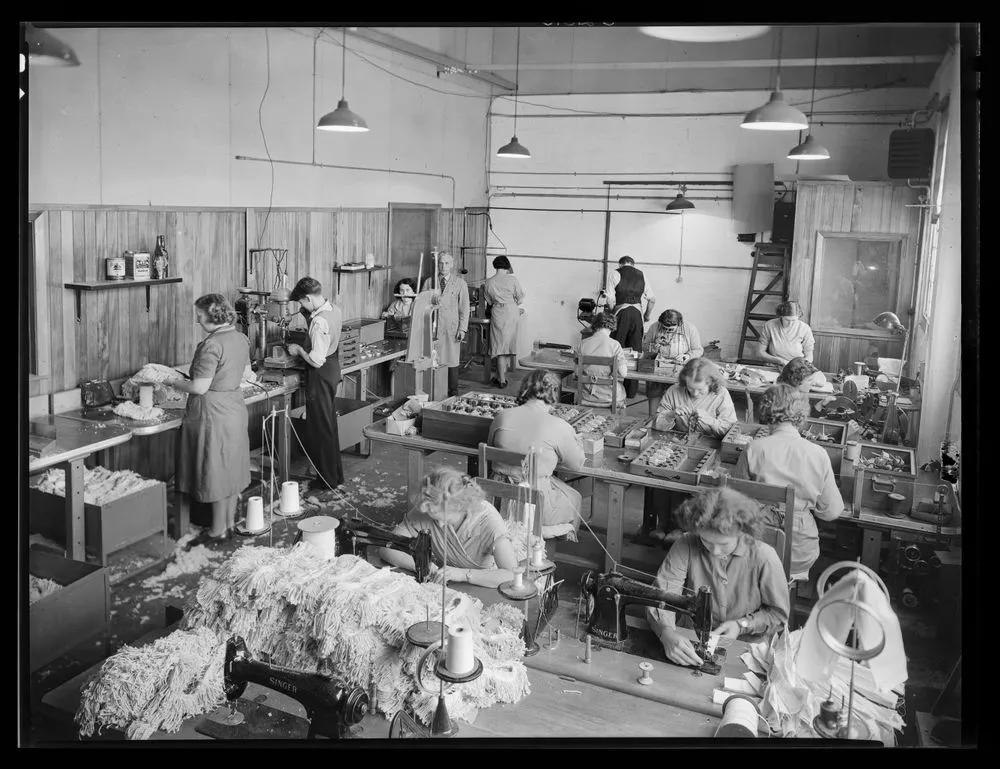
{"x":322,"y":440}
{"x":504,"y":293}
{"x":673,"y":341}
{"x":473,"y":534}
{"x":452,"y":300}
{"x":213,"y":448}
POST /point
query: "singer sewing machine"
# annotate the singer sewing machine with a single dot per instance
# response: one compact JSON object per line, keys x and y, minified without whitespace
{"x":332,"y":706}
{"x":355,"y":538}
{"x":608,"y":595}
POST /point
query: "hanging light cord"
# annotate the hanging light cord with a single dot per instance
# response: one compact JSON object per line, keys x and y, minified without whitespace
{"x":812,"y":101}
{"x":777,"y":79}
{"x":517,"y":73}
{"x":343,"y":65}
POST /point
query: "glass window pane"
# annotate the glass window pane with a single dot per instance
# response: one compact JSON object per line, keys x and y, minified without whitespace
{"x":859,"y":279}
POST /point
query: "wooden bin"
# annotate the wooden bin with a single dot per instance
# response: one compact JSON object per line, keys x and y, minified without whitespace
{"x":369,"y":330}
{"x":838,"y":430}
{"x":872,"y":487}
{"x":619,"y":430}
{"x":463,"y":429}
{"x":730,"y":450}
{"x":108,"y":527}
{"x":64,"y":619}
{"x":689,"y":471}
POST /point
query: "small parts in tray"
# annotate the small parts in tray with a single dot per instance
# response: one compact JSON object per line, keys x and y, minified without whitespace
{"x":663,"y":454}
{"x":738,"y":436}
{"x":480,"y":404}
{"x":882,"y":461}
{"x":821,"y":437}
{"x":594,"y":423}
{"x":565,"y":412}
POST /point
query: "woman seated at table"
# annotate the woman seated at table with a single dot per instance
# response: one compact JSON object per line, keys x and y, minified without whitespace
{"x":673,"y":341}
{"x":805,"y":377}
{"x":785,"y":457}
{"x":479,"y":551}
{"x":720,"y":550}
{"x":402,"y":305}
{"x":699,"y":401}
{"x":528,"y":425}
{"x":601,"y":345}
{"x":785,"y":336}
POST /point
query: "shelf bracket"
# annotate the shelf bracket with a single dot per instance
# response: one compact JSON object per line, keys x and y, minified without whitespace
{"x":79,"y":318}
{"x":370,"y":279}
{"x":147,"y":298}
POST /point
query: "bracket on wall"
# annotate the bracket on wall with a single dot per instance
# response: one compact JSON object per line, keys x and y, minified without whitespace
{"x":105,"y":285}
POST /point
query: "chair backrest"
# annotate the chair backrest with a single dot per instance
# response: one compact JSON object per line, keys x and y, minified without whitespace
{"x":582,"y":378}
{"x":780,"y":538}
{"x":498,"y":490}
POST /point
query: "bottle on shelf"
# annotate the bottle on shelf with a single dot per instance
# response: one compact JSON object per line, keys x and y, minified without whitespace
{"x":161,"y":259}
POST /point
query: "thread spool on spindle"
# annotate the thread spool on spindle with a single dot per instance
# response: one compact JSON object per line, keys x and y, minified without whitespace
{"x":537,"y":554}
{"x":859,"y":367}
{"x":145,"y":396}
{"x":739,"y":717}
{"x":255,"y":514}
{"x":459,"y":657}
{"x":290,"y":498}
{"x":320,"y":531}
{"x":518,"y":583}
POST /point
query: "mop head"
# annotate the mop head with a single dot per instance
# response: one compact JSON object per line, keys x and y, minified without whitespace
{"x":331,"y":615}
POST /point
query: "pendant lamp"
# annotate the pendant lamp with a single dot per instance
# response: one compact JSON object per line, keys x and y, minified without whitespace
{"x":680,"y":203}
{"x":514,"y":148}
{"x":705,"y":34}
{"x":811,"y":149}
{"x":776,"y":115}
{"x":342,"y":118}
{"x":46,"y":50}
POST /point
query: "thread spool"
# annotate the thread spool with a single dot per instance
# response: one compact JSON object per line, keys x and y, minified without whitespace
{"x":852,"y":450}
{"x":898,"y":507}
{"x":255,"y":514}
{"x":859,"y":367}
{"x":739,"y":717}
{"x":537,"y":554}
{"x":527,"y":509}
{"x":145,"y":396}
{"x":320,"y":531}
{"x":459,"y":657}
{"x":290,"y":498}
{"x":518,"y":583}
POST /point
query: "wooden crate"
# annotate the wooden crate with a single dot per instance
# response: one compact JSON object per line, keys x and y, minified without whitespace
{"x":696,"y":462}
{"x":569,"y":412}
{"x":108,"y":527}
{"x":873,"y":486}
{"x":437,"y":423}
{"x":838,"y":430}
{"x":64,"y":619}
{"x":646,"y":363}
{"x":731,"y":449}
{"x":353,"y":416}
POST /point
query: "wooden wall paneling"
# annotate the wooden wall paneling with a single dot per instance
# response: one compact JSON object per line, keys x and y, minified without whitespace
{"x":128,"y":226}
{"x":97,"y":235}
{"x":73,"y":365}
{"x":43,"y":320}
{"x":184,"y":245}
{"x":168,"y":345}
{"x":117,"y":304}
{"x":59,"y":300}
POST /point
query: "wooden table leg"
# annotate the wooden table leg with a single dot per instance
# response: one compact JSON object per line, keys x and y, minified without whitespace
{"x":283,"y":439}
{"x":75,"y":545}
{"x":364,"y":448}
{"x":871,"y":547}
{"x":616,"y":525}
{"x":180,"y":516}
{"x":414,"y":474}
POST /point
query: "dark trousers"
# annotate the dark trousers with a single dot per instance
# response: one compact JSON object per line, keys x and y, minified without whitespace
{"x":322,"y":438}
{"x":629,"y":334}
{"x":452,"y":380}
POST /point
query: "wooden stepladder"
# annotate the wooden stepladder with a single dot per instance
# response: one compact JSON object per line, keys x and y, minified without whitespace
{"x":769,"y":258}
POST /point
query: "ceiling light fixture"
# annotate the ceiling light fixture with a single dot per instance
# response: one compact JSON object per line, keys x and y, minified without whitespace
{"x":45,"y":49}
{"x":811,"y":149}
{"x":704,"y":34}
{"x":776,"y":115}
{"x":342,"y":119}
{"x":680,"y":203}
{"x":514,"y":148}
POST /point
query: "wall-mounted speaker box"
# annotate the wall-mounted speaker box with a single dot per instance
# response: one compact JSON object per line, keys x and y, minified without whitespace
{"x":784,"y":222}
{"x":911,"y":153}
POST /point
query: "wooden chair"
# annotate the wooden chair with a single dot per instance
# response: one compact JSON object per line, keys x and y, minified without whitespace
{"x":583,"y":378}
{"x":489,"y":454}
{"x":779,"y":537}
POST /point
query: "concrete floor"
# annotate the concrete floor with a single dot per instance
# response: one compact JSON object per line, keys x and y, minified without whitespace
{"x":376,"y":489}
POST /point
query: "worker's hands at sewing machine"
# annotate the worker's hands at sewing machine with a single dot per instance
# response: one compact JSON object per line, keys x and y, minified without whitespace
{"x":679,"y":649}
{"x":730,"y":629}
{"x":453,"y":575}
{"x":295,"y":350}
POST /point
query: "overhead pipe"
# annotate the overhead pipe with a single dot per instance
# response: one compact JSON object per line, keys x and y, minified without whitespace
{"x":846,"y":61}
{"x":583,"y":210}
{"x":366,"y":168}
{"x":644,"y":264}
{"x":597,"y":197}
{"x":623,"y":115}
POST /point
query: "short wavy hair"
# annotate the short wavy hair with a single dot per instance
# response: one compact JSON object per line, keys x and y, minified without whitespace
{"x":217,"y":309}
{"x":605,"y":320}
{"x":796,"y":371}
{"x":788,"y":309}
{"x":461,"y":491}
{"x":405,"y":282}
{"x":671,"y":318}
{"x":540,"y":384}
{"x":722,"y":510}
{"x":783,"y":403}
{"x":702,"y":369}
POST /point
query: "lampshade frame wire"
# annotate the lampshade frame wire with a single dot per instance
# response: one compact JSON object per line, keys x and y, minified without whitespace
{"x":812,"y":99}
{"x":343,"y":66}
{"x":517,"y":73}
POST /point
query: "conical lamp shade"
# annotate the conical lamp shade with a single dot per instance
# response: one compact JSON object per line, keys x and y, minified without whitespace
{"x":810,"y":149}
{"x":513,"y":150}
{"x":680,"y":203}
{"x":45,"y":49}
{"x":776,"y":115}
{"x":342,"y":119}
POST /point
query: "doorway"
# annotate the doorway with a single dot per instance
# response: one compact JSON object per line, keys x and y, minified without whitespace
{"x":413,"y":230}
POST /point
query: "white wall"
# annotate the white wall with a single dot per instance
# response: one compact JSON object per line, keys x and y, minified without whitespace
{"x":938,"y":351}
{"x":712,"y":297}
{"x":156,"y":116}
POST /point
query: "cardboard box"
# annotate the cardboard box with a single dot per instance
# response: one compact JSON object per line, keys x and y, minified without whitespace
{"x":108,"y":527}
{"x":64,"y":619}
{"x":592,"y":444}
{"x":137,"y":266}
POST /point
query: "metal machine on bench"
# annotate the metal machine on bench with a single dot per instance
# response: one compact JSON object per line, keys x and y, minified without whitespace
{"x":332,"y":706}
{"x":355,"y":538}
{"x":608,"y":594}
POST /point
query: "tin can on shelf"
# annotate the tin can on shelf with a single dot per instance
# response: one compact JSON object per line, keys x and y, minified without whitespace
{"x":114,"y":268}
{"x":137,"y":265}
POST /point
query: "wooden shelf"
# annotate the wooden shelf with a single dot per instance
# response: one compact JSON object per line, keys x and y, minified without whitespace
{"x":107,"y":285}
{"x":340,"y":271}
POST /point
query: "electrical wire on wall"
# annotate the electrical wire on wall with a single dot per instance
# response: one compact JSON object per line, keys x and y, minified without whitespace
{"x":260,"y":123}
